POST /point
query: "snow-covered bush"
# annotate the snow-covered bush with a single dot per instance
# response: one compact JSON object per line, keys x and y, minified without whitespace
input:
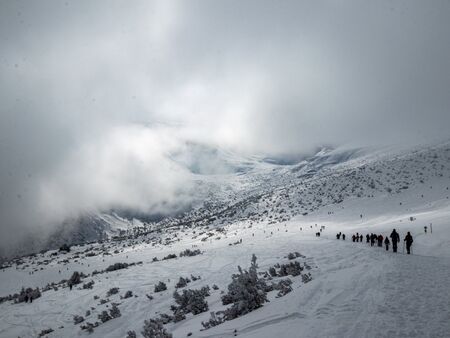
{"x":170,"y":256}
{"x":246,"y":292}
{"x":161,"y":286}
{"x":45,"y":332}
{"x":104,"y":316}
{"x":191,"y":301}
{"x":293,"y":255}
{"x":114,"y":312}
{"x":283,"y":287}
{"x":77,"y":319}
{"x":131,"y":334}
{"x":88,"y":285}
{"x":128,"y":294}
{"x":290,"y":269}
{"x":153,"y":328}
{"x":189,"y":253}
{"x":116,"y":266}
{"x":112,"y":291}
{"x":182,"y":282}
{"x":213,"y":321}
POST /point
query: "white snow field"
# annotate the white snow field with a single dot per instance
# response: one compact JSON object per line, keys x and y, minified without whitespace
{"x":356,"y":290}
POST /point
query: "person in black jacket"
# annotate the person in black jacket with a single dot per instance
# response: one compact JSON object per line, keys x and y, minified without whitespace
{"x":395,"y":239}
{"x":409,"y":240}
{"x":386,"y":242}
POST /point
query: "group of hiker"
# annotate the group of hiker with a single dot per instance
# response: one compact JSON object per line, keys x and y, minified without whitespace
{"x":379,"y":239}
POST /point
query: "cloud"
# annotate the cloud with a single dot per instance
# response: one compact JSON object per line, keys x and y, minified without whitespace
{"x":78,"y":78}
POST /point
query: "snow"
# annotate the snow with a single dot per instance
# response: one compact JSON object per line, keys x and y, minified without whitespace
{"x":356,"y":290}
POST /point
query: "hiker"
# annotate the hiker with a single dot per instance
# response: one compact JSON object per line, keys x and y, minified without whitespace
{"x":343,"y":237}
{"x":26,"y":298}
{"x":338,"y":236}
{"x":372,"y":239}
{"x":380,"y":240}
{"x":353,"y":238}
{"x":409,"y":240}
{"x":357,"y":237}
{"x":367,"y":238}
{"x":386,"y":242}
{"x":361,"y":238}
{"x":395,"y":239}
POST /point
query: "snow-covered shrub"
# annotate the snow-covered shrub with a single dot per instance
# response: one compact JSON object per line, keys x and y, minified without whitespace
{"x":114,"y":312}
{"x":161,"y":286}
{"x":116,"y":266}
{"x":89,"y":327}
{"x":283,"y":287}
{"x":306,"y":277}
{"x":194,"y":278}
{"x":165,"y":318}
{"x":131,"y":334}
{"x":293,"y":255}
{"x":190,"y":253}
{"x":178,"y":316}
{"x":213,"y":321}
{"x":170,"y":256}
{"x":153,"y":328}
{"x":88,"y":285}
{"x":290,"y":269}
{"x":45,"y":332}
{"x":112,"y":291}
{"x":182,"y":282}
{"x":192,"y":301}
{"x":246,"y":292}
{"x":128,"y":294}
{"x":104,"y":316}
{"x":77,"y":319}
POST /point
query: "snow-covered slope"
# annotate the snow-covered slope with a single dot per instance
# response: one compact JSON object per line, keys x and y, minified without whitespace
{"x":345,"y":289}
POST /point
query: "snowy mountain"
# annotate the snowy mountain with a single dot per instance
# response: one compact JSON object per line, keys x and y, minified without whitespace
{"x":182,"y":272}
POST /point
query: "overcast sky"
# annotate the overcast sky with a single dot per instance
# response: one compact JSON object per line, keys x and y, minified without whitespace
{"x":95,"y":94}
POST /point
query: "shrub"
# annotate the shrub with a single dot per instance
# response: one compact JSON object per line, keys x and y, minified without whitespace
{"x":153,"y":328}
{"x":161,"y":286}
{"x":182,"y":282}
{"x":112,"y":291}
{"x":128,"y":294}
{"x":114,"y":312}
{"x":192,"y":301}
{"x":77,"y":319}
{"x":190,"y":253}
{"x":116,"y":266}
{"x":246,"y":291}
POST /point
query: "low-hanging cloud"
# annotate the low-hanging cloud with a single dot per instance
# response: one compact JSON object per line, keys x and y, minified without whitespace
{"x":95,"y":96}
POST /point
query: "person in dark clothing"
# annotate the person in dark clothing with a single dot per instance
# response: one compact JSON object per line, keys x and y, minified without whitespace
{"x":395,"y":237}
{"x":353,"y":238}
{"x":26,"y":298}
{"x":367,"y":238}
{"x":361,"y":238}
{"x":338,"y":236}
{"x":357,"y":237}
{"x":386,"y":243}
{"x":380,"y":240}
{"x":343,"y":237}
{"x":372,"y":239}
{"x":409,"y":240}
